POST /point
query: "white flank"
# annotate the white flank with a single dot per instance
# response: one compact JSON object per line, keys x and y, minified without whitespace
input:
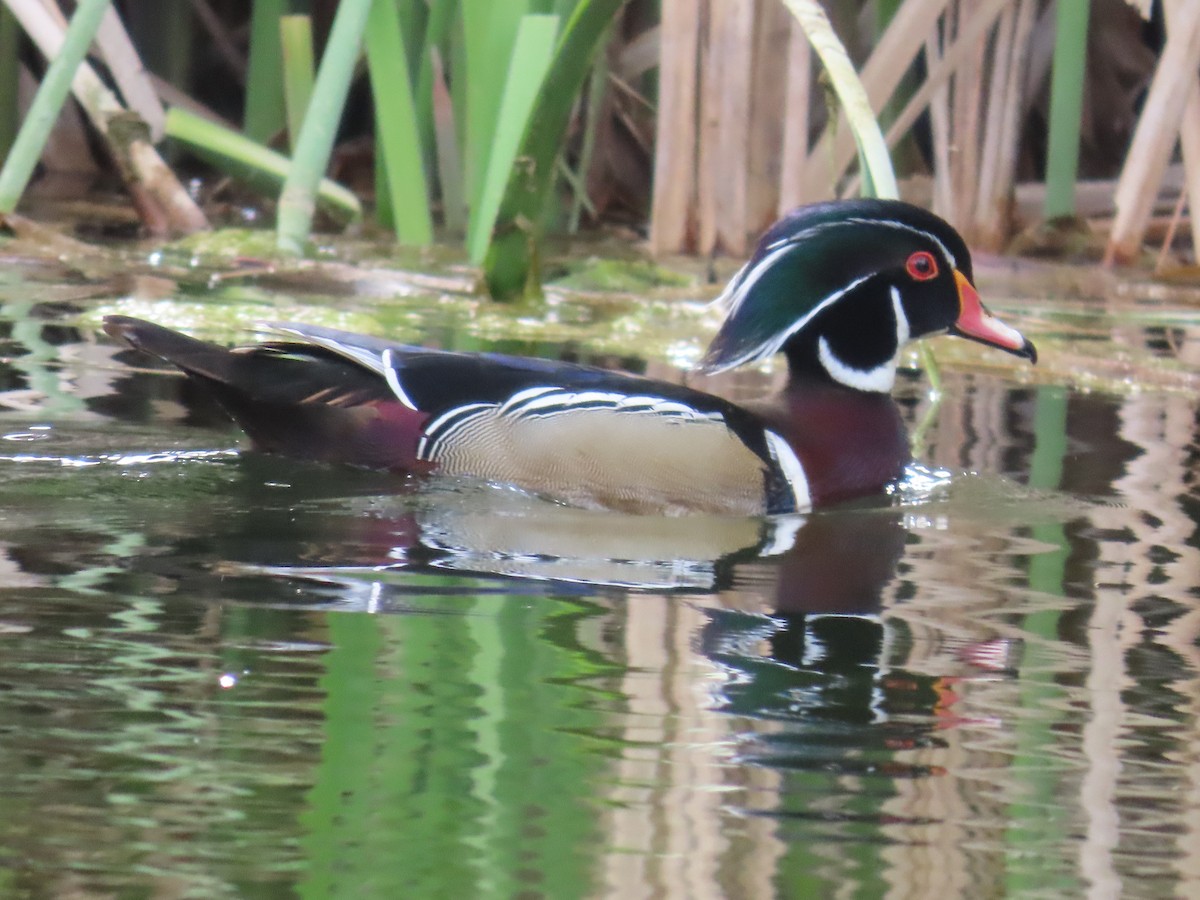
{"x":792,"y":470}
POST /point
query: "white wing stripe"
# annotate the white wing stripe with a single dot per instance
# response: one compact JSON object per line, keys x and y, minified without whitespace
{"x":368,"y":359}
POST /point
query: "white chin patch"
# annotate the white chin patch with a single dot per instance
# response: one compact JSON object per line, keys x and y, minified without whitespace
{"x":882,"y":377}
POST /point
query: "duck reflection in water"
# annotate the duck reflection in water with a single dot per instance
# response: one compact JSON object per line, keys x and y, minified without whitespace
{"x":793,"y":607}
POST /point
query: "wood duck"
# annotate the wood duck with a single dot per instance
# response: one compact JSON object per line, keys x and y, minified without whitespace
{"x":837,"y":287}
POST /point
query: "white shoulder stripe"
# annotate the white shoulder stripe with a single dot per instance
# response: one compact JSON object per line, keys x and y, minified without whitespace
{"x":792,"y":470}
{"x":392,"y":377}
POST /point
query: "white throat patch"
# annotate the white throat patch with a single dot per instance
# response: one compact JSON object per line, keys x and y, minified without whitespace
{"x":882,"y":377}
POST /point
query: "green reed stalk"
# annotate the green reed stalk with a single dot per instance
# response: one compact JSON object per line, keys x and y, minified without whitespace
{"x":489,"y":35}
{"x":396,"y":129}
{"x":1066,"y":107}
{"x":879,"y":178}
{"x":511,"y":268}
{"x":47,"y":103}
{"x":531,"y":56}
{"x":298,"y":200}
{"x":295,"y":39}
{"x":264,"y":117}
{"x":237,"y":155}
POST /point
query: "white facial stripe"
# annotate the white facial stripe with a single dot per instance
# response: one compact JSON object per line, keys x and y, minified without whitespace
{"x":903,"y":330}
{"x":893,"y":223}
{"x":792,"y":470}
{"x":392,"y":377}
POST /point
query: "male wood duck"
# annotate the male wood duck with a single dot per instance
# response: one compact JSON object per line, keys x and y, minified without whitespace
{"x":838,"y":288}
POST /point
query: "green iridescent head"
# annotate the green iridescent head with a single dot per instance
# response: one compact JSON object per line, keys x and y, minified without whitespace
{"x":840,"y":287}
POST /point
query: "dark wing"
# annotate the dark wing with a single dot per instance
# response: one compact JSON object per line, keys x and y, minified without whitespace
{"x":585,"y":435}
{"x":300,"y":400}
{"x":582,"y":434}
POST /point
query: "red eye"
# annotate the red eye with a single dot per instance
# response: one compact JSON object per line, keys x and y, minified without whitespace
{"x":922,"y":266}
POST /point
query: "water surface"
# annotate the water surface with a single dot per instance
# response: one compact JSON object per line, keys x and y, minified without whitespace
{"x":224,"y":674}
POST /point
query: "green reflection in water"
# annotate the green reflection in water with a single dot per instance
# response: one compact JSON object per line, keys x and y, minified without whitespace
{"x":462,"y":754}
{"x":1038,"y":819}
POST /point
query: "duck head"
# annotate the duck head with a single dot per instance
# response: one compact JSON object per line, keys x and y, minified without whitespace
{"x":840,"y":287}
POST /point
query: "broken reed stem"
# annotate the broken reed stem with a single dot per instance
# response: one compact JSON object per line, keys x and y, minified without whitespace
{"x":987,"y":178}
{"x":1189,"y":133}
{"x":675,"y":155}
{"x":1154,"y":139}
{"x":725,"y":112}
{"x":768,"y":115}
{"x":953,"y":55}
{"x":1004,"y":199}
{"x":796,"y":116}
{"x":1169,"y":237}
{"x":993,"y":218}
{"x":968,"y":93}
{"x":939,"y":121}
{"x":884,"y":69}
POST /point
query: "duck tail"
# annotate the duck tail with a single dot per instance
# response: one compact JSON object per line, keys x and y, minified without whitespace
{"x":195,"y":357}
